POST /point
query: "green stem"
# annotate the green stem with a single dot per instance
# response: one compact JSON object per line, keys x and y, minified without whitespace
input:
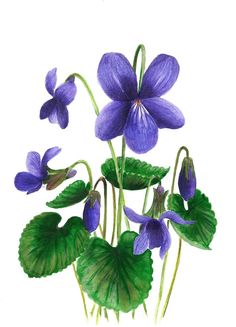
{"x":106,"y":314}
{"x":141,"y":48}
{"x":145,"y":308}
{"x":88,"y":170}
{"x":99,"y":311}
{"x":81,"y":291}
{"x":83,"y":80}
{"x":114,"y":214}
{"x":117,"y":313}
{"x":103,"y":180}
{"x":183,"y":148}
{"x":173,"y":279}
{"x":93,"y":309}
{"x":133,"y":314}
{"x":146,"y":195}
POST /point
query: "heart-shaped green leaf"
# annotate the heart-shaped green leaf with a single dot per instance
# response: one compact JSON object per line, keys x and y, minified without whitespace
{"x":201,"y":233}
{"x":137,"y":174}
{"x":113,"y":276}
{"x":72,"y":194}
{"x":46,"y":248}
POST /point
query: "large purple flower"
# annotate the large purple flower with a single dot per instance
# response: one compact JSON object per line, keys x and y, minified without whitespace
{"x":154,"y":233}
{"x":55,"y":109}
{"x":39,"y":172}
{"x":137,"y":114}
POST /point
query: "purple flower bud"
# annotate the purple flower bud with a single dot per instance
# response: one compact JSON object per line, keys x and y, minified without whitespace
{"x":187,"y":179}
{"x":91,"y":213}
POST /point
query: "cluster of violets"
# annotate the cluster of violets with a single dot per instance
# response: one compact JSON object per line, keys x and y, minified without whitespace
{"x":135,"y":112}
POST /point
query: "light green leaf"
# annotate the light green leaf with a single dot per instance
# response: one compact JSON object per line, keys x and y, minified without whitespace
{"x":46,"y":248}
{"x":113,"y":276}
{"x":199,"y":210}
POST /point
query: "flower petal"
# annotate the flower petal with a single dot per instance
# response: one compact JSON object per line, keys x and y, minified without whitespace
{"x":133,"y":216}
{"x":33,"y":164}
{"x":25,"y":181}
{"x":111,"y":121}
{"x":117,"y":77}
{"x":62,"y":115}
{"x":91,"y":215}
{"x":48,"y":108}
{"x":71,"y":173}
{"x":51,"y":80}
{"x":66,"y":92}
{"x":140,"y":131}
{"x":173,"y":216}
{"x":166,"y":241}
{"x":160,"y":76}
{"x":155,"y":234}
{"x":141,"y":242}
{"x":53,"y":116}
{"x":49,"y":154}
{"x":165,"y":113}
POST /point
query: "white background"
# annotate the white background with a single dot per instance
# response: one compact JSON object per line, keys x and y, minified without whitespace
{"x":72,"y":36}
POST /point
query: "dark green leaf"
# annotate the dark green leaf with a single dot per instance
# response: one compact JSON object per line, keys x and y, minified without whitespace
{"x":46,"y":248}
{"x":115,"y":277}
{"x":201,"y":233}
{"x":137,"y":174}
{"x":72,"y":194}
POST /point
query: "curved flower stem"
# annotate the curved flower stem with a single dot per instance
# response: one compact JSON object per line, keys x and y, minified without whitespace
{"x":88,"y":170}
{"x":183,"y":148}
{"x":103,"y":180}
{"x":141,"y":48}
{"x":81,"y":291}
{"x":114,"y":214}
{"x":83,"y":80}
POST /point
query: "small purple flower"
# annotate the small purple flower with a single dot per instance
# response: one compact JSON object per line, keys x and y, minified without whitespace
{"x":187,"y":179}
{"x":154,"y":233}
{"x":39,"y":173}
{"x":137,"y":114}
{"x":91,"y":213}
{"x":55,"y":109}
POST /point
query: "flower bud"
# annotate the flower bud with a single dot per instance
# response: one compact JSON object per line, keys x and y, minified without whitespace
{"x":91,"y":213}
{"x":56,"y":177}
{"x":187,"y":179}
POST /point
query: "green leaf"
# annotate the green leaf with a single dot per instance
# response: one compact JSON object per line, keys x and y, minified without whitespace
{"x":201,"y":233}
{"x":72,"y":194}
{"x":113,"y":276}
{"x":137,"y":174}
{"x":46,"y":248}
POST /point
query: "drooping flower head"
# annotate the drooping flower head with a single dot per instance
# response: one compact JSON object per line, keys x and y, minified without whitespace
{"x":153,"y":232}
{"x":55,"y":109}
{"x":91,"y":213}
{"x":39,"y":173}
{"x":137,"y":114}
{"x":187,"y":179}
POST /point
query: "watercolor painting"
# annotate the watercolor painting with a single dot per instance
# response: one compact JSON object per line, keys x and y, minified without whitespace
{"x":116,"y":171}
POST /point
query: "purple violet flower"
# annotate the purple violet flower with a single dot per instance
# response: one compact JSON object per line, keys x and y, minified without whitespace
{"x":55,"y":109}
{"x":39,"y":173}
{"x":154,"y":233}
{"x":91,"y":213}
{"x":137,"y":114}
{"x":187,"y":179}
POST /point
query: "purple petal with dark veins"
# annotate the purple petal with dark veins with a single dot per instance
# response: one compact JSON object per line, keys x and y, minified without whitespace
{"x":164,"y":113}
{"x":140,"y":131}
{"x":117,"y":77}
{"x":133,"y":216}
{"x":91,"y":215}
{"x":66,"y":92}
{"x":25,"y":181}
{"x":51,"y":80}
{"x":49,"y":154}
{"x":62,"y":116}
{"x":155,"y":234}
{"x":166,"y":241}
{"x":47,"y":108}
{"x":141,"y":242}
{"x":111,"y":121}
{"x":173,"y":216}
{"x":160,"y":76}
{"x":33,"y":164}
